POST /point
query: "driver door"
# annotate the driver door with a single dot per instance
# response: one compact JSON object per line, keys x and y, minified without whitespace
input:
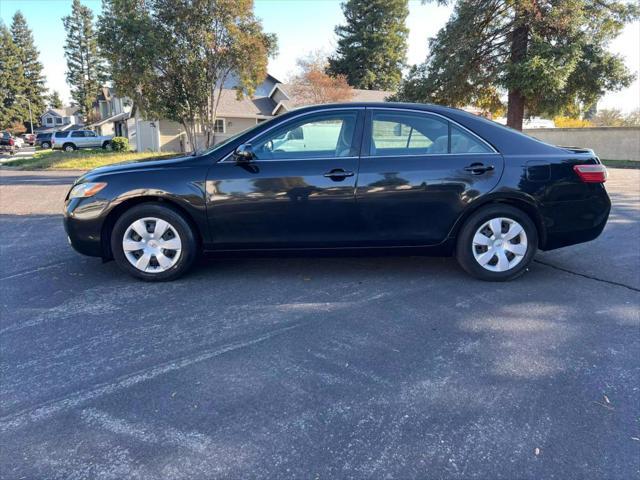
{"x":298,"y":191}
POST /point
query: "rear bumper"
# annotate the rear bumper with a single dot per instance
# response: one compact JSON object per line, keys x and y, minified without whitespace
{"x":577,"y":221}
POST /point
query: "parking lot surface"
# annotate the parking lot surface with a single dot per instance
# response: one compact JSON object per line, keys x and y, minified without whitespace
{"x":316,"y":367}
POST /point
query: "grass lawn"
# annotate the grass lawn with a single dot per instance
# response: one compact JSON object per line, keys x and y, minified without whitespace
{"x":80,"y":159}
{"x":621,"y":163}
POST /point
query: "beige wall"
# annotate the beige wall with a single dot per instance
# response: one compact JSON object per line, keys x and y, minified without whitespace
{"x":171,"y":136}
{"x":174,"y":139}
{"x":106,"y":129}
{"x":610,"y":143}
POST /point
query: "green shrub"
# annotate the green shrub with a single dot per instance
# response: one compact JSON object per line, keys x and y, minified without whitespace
{"x":120,"y":144}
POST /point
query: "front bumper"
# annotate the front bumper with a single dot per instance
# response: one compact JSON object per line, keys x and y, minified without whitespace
{"x":83,"y":221}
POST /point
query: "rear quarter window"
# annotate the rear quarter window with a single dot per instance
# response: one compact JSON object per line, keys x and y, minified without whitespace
{"x":61,"y":134}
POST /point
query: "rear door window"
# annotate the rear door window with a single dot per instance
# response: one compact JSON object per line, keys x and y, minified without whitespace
{"x":463,"y":142}
{"x":395,"y":133}
{"x":61,"y":134}
{"x":77,"y":134}
{"x":404,"y":133}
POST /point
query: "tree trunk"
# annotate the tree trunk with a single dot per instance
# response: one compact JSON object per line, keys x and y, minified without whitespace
{"x":191,"y":135}
{"x":519,"y":44}
{"x":515,"y":109}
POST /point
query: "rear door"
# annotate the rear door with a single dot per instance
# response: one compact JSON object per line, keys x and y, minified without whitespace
{"x":298,"y":191}
{"x":91,"y":139}
{"x":417,"y":174}
{"x":77,"y":137}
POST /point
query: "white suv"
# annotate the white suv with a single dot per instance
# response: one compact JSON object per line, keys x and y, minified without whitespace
{"x":71,"y":140}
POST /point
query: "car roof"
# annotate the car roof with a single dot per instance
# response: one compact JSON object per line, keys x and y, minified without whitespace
{"x":505,"y":140}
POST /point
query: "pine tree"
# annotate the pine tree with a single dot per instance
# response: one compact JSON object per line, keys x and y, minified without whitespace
{"x":12,"y":82}
{"x":372,"y":46}
{"x":54,"y":100}
{"x":32,"y":68}
{"x":85,"y":70}
{"x":546,"y":56}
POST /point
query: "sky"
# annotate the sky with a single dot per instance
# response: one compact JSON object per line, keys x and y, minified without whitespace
{"x":302,"y":26}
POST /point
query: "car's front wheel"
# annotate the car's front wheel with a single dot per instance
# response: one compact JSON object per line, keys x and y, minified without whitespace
{"x":153,"y":242}
{"x":497,"y":243}
{"x":45,"y":145}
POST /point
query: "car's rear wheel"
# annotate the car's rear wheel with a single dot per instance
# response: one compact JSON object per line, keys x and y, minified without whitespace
{"x":153,"y":242}
{"x":106,"y":146}
{"x":69,"y":147}
{"x":497,"y":243}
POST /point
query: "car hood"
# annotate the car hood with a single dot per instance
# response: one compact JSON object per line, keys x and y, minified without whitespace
{"x":136,"y":165}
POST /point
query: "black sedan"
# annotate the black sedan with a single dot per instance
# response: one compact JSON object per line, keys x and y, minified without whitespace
{"x":415,"y":178}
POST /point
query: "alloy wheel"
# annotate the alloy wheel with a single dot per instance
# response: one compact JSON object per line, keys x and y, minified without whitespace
{"x":499,"y":244}
{"x":152,"y":245}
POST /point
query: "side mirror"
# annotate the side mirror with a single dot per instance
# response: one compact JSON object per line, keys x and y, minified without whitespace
{"x":244,"y":153}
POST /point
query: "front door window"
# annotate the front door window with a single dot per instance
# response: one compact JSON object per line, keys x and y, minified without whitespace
{"x":329,"y":135}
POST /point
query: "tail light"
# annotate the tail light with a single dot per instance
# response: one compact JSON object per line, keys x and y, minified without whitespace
{"x":11,"y":142}
{"x":591,"y":173}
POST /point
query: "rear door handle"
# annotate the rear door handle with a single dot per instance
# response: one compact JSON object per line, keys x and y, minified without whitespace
{"x":479,"y":168}
{"x":338,"y":174}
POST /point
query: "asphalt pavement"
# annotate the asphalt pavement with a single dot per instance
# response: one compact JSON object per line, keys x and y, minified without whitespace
{"x":316,"y":367}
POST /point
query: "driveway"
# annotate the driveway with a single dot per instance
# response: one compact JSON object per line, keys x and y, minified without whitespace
{"x":308,"y":367}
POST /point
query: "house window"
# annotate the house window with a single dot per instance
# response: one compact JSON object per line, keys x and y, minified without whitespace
{"x":49,"y":121}
{"x":58,"y":121}
{"x":104,"y":109}
{"x":218,"y":127}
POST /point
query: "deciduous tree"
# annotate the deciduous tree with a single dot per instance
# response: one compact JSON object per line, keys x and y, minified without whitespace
{"x":372,"y":45}
{"x":85,"y":69}
{"x":313,"y":86}
{"x":613,"y":117}
{"x":545,"y":55}
{"x":173,"y":57}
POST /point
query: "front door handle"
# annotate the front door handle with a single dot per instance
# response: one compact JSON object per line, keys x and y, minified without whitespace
{"x":338,"y":174}
{"x":479,"y":168}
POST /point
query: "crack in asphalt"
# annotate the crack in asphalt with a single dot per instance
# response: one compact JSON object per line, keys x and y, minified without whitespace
{"x":47,"y":409}
{"x":32,"y":270}
{"x":590,"y":277}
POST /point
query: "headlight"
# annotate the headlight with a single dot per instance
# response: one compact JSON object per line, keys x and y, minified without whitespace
{"x":84,"y":190}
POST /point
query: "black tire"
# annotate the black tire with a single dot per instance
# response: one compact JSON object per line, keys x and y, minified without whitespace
{"x":69,"y":147}
{"x":106,"y":146}
{"x":464,"y":244}
{"x":45,"y":145}
{"x":189,"y":251}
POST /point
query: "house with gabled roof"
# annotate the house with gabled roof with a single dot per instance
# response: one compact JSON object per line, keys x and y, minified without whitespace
{"x":55,"y":119}
{"x":234,"y":115}
{"x":110,"y":113}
